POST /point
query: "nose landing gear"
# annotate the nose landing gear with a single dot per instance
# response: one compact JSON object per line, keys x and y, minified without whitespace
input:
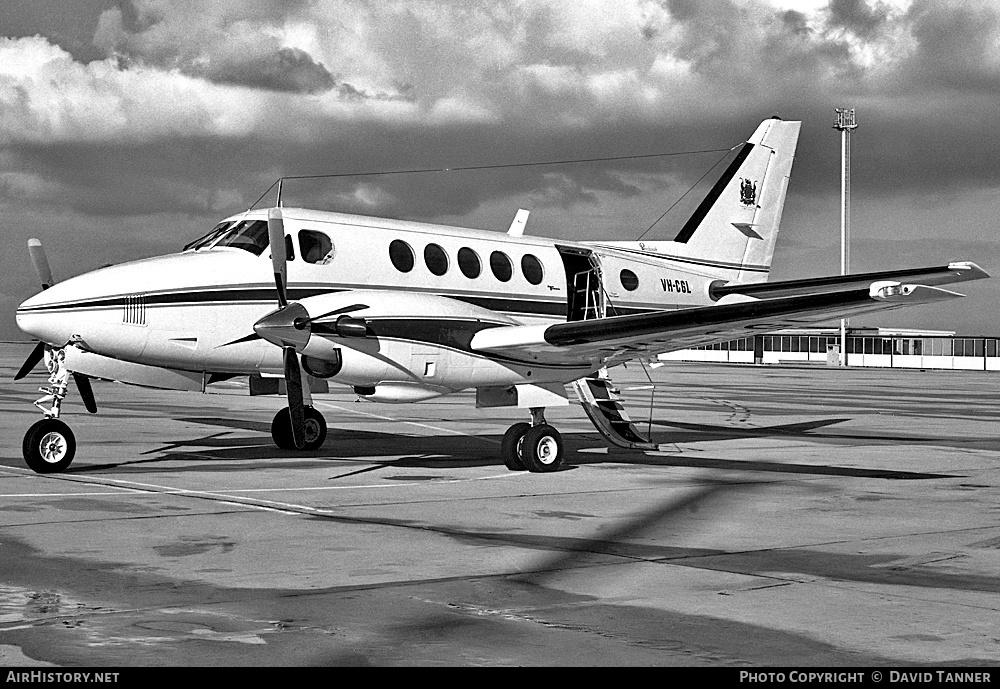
{"x":49,"y":445}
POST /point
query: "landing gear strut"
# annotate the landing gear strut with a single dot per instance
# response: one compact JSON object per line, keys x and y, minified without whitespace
{"x":49,"y":445}
{"x":315,"y":429}
{"x":536,"y":446}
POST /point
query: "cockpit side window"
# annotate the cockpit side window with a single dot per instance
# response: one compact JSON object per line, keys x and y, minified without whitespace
{"x":249,"y":235}
{"x":315,"y":247}
{"x":206,"y":240}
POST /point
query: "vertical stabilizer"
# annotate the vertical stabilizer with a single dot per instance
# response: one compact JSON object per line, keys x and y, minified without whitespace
{"x":737,"y":223}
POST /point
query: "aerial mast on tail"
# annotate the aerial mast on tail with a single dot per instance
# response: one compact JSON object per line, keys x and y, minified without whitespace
{"x":845,"y":123}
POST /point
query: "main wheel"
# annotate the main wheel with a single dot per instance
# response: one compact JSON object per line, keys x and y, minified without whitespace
{"x":510,"y":446}
{"x":542,"y":449}
{"x":49,"y":446}
{"x":315,"y":428}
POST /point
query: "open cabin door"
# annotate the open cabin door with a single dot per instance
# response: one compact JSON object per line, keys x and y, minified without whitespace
{"x":584,"y":286}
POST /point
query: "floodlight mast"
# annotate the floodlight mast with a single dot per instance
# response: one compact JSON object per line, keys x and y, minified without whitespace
{"x":845,"y":123}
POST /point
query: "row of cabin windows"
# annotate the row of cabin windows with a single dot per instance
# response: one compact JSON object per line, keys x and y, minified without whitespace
{"x":317,"y":248}
{"x":436,"y":259}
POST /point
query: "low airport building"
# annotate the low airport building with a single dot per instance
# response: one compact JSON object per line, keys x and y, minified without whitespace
{"x":877,"y":347}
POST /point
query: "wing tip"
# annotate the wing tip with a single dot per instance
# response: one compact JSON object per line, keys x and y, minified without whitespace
{"x":968,"y":270}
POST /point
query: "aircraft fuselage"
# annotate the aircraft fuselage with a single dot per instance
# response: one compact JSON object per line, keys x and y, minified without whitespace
{"x":425,"y":291}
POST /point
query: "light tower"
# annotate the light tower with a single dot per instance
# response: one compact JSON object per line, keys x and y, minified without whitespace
{"x":845,"y":123}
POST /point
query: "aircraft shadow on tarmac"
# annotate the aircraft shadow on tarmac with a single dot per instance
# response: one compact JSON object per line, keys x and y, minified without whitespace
{"x":645,"y":536}
{"x":363,"y":450}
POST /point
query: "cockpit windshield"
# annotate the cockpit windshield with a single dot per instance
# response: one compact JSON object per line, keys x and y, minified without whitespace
{"x":202,"y":242}
{"x":249,"y":235}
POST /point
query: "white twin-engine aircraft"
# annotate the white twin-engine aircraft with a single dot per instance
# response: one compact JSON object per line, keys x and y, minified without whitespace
{"x":406,"y":311}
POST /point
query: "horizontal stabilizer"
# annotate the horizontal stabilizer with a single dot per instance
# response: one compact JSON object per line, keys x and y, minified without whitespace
{"x":519,"y":223}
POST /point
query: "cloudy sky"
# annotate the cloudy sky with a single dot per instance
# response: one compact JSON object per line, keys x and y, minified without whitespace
{"x":130,"y":127}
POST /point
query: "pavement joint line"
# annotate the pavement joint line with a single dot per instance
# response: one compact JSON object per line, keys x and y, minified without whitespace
{"x":229,"y":499}
{"x":328,"y":405}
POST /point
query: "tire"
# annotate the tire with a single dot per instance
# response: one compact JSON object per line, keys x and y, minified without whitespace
{"x":510,"y":446}
{"x":542,"y":449}
{"x":315,"y":427}
{"x":49,"y":446}
{"x":281,"y":430}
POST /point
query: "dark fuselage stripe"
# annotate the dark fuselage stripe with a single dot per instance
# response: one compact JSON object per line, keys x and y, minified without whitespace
{"x":265,"y":295}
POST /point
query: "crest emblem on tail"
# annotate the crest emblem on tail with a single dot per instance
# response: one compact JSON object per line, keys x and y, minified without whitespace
{"x":748,"y":192}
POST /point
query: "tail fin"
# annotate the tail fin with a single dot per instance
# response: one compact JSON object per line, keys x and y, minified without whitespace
{"x":736,"y":225}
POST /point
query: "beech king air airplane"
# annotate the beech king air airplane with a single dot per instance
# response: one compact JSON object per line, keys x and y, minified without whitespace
{"x":406,"y":311}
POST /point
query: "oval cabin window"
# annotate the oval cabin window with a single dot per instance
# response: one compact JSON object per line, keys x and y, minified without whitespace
{"x":436,"y":259}
{"x":469,"y":263}
{"x":629,"y":280}
{"x":401,"y":255}
{"x":501,"y":266}
{"x":532,"y":269}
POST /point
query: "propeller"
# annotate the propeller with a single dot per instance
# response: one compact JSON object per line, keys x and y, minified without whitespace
{"x":290,"y":326}
{"x":287,"y":327}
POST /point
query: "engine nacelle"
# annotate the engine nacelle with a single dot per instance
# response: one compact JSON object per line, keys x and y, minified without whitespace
{"x":408,"y":346}
{"x":401,"y":393}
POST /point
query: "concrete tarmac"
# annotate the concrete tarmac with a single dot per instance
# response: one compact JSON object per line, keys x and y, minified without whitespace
{"x":794,"y":517}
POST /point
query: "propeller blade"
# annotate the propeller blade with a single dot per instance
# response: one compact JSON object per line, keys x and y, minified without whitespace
{"x":41,"y":263}
{"x":86,"y":392}
{"x":36,"y":355}
{"x":293,"y":389}
{"x":276,"y":235}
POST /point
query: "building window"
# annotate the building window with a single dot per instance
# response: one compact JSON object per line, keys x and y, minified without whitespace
{"x":468,"y":263}
{"x":401,"y":255}
{"x":629,"y":280}
{"x":436,"y":259}
{"x":531,"y":267}
{"x":501,"y":266}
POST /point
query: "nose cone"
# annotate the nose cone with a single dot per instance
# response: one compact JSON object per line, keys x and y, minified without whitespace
{"x":286,"y":327}
{"x":45,"y":315}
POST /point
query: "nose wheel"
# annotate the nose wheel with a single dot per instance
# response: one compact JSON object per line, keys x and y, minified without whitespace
{"x":48,"y":446}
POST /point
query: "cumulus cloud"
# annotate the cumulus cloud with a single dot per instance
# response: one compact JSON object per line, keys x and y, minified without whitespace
{"x":175,"y":112}
{"x":231,"y":94}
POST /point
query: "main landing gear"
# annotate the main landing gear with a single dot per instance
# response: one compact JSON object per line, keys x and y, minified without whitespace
{"x":315,"y":429}
{"x":534,"y":446}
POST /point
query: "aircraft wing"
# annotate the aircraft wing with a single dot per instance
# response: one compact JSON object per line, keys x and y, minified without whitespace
{"x":616,"y":339}
{"x":957,"y":271}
